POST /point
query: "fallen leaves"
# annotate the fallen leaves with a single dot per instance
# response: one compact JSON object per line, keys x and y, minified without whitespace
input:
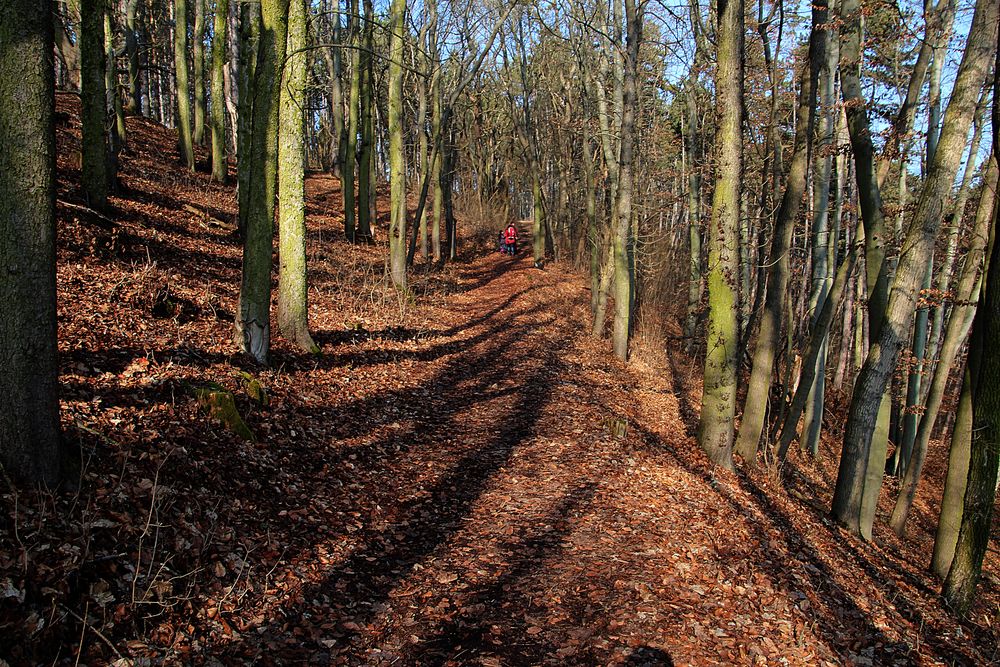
{"x":466,"y":480}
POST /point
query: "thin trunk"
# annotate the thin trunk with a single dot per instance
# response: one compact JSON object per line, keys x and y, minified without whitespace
{"x":185,"y":140}
{"x":220,"y":165}
{"x":198,"y":71}
{"x":768,"y":339}
{"x":353,"y":125}
{"x":623,"y":236}
{"x":94,"y":114}
{"x":249,"y":40}
{"x":397,"y":158}
{"x":366,"y":123}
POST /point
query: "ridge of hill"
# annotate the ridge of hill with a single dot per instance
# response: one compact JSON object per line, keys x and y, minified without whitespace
{"x":463,"y":478}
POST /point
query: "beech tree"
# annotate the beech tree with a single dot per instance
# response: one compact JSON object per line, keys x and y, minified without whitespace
{"x":253,"y":320}
{"x":29,"y":416}
{"x":718,"y":404}
{"x":293,"y":288}
{"x":857,"y":470}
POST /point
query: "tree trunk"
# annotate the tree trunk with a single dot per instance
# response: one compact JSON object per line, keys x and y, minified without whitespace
{"x":293,"y":288}
{"x":718,"y":405}
{"x":134,"y":105}
{"x":353,"y":123}
{"x":249,"y":41}
{"x":198,"y":60}
{"x":366,"y":122}
{"x":29,"y":370}
{"x":768,"y":339}
{"x":397,"y":158}
{"x":984,"y":454}
{"x":623,"y":239}
{"x":253,"y":322}
{"x":958,"y":328}
{"x":220,"y":165}
{"x":953,"y":498}
{"x":695,"y":283}
{"x":95,"y":176}
{"x":185,"y":139}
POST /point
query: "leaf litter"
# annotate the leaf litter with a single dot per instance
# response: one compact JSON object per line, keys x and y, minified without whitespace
{"x":464,"y":478}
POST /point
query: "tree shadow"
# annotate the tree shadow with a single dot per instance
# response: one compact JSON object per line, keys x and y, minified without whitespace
{"x":836,"y":603}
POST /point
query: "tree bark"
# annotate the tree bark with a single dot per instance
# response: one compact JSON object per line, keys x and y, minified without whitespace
{"x":397,"y":158}
{"x":718,"y":405}
{"x":220,"y":164}
{"x":293,"y":287}
{"x":95,"y":176}
{"x":185,"y":138}
{"x":198,"y":71}
{"x":29,"y":421}
{"x":253,"y":322}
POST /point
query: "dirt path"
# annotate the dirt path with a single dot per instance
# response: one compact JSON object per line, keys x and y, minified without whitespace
{"x":500,"y":517}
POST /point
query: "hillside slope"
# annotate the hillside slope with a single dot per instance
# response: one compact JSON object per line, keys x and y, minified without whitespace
{"x":463,"y":478}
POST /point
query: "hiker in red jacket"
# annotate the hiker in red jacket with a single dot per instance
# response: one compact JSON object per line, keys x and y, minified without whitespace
{"x":510,"y":239}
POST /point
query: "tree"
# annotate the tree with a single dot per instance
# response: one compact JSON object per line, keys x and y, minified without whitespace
{"x":253,"y":321}
{"x":967,"y":294}
{"x":185,"y":140}
{"x":198,"y":71}
{"x":623,"y":239}
{"x":718,"y":404}
{"x":755,"y":407}
{"x":96,"y":175}
{"x":29,"y":417}
{"x":293,"y":289}
{"x":857,"y":471}
{"x":353,"y":100}
{"x":220,"y":166}
{"x":397,"y":159}
{"x":984,"y":368}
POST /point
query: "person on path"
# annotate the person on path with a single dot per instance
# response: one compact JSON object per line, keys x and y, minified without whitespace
{"x":510,"y":239}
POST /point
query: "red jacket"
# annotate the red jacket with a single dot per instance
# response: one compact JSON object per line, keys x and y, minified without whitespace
{"x":510,"y":234}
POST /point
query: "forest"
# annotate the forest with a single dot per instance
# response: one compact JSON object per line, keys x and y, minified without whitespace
{"x":271,"y":394}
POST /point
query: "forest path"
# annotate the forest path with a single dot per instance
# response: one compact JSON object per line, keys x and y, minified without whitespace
{"x":504,"y":518}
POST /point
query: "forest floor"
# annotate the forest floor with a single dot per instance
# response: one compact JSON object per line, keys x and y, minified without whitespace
{"x":463,"y":477}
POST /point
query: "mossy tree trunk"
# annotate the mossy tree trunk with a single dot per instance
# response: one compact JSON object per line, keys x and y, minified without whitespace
{"x":293,"y":287}
{"x":397,"y":158}
{"x":29,"y":421}
{"x":857,"y":468}
{"x":198,"y":71}
{"x":220,"y":165}
{"x":185,"y":138}
{"x":718,"y":405}
{"x":353,"y":116}
{"x":253,"y":322}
